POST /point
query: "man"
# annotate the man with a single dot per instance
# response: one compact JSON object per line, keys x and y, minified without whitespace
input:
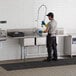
{"x":51,"y":37}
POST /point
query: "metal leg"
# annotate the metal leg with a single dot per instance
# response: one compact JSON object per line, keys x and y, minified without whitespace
{"x":25,"y":53}
{"x":38,"y":48}
{"x":71,"y":56}
{"x":20,"y":47}
{"x":21,"y":52}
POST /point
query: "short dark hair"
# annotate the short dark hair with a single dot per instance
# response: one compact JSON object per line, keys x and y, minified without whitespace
{"x":50,"y":14}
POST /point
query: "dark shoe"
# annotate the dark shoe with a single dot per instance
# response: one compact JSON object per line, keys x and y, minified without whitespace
{"x":54,"y":59}
{"x":46,"y":60}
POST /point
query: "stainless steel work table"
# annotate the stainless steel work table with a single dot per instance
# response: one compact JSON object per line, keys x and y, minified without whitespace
{"x":22,"y":44}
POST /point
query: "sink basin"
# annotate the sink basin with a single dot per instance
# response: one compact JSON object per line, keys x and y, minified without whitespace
{"x":44,"y":34}
{"x":41,"y":41}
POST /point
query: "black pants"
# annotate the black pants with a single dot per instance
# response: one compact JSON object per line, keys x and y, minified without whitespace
{"x":51,"y":47}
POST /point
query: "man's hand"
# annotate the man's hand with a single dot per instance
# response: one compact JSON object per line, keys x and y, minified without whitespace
{"x":44,"y":31}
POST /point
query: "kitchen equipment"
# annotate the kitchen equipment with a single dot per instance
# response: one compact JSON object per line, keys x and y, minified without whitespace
{"x":3,"y":35}
{"x":70,"y":45}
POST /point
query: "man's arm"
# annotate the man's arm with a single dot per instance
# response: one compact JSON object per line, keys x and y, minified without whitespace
{"x":46,"y":25}
{"x":46,"y":30}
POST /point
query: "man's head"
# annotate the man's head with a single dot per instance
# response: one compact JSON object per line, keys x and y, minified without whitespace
{"x":50,"y":15}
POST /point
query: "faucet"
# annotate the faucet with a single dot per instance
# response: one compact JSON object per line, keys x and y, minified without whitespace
{"x":38,"y":13}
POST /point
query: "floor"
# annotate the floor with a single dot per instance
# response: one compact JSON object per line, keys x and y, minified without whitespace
{"x":49,"y":71}
{"x":69,"y":70}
